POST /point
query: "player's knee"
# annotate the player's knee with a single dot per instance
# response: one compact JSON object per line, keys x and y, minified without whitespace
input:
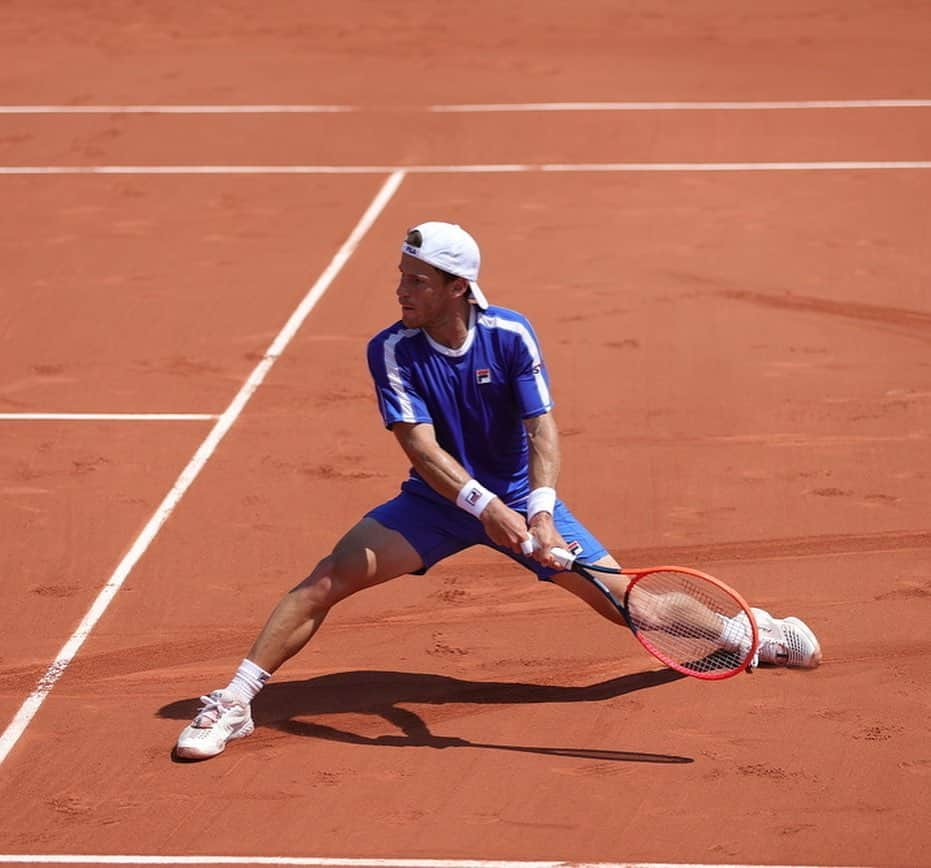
{"x":316,"y":592}
{"x":330,"y":581}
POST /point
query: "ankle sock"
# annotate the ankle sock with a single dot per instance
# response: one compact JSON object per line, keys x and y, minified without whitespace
{"x":735,"y":632}
{"x":248,"y":681}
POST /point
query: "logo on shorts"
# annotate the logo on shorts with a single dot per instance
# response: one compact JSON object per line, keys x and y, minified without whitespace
{"x":574,"y":547}
{"x":483,"y":375}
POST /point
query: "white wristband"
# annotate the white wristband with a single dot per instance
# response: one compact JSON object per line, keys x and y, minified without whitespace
{"x":473,"y":497}
{"x":541,"y":499}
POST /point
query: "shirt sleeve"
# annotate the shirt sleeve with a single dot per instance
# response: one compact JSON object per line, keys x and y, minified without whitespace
{"x":398,"y":398}
{"x":530,"y":377}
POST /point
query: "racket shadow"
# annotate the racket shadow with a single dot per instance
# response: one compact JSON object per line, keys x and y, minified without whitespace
{"x":285,"y":706}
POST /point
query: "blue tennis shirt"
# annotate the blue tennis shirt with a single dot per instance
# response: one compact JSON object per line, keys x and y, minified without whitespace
{"x":475,"y":396}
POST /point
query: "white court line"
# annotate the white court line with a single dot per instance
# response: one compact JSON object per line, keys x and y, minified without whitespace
{"x":45,"y":684}
{"x":624,"y":106}
{"x":750,"y":105}
{"x":255,"y":170}
{"x":809,"y":166}
{"x":814,"y":166}
{"x":107,"y":417}
{"x":66,"y":859}
{"x":174,"y":109}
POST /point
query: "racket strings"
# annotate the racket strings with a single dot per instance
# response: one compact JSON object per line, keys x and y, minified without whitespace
{"x":693,"y":624}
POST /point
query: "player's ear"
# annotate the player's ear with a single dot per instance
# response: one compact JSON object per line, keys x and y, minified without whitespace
{"x":461,"y":287}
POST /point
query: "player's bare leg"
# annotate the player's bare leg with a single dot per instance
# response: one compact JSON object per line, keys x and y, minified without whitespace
{"x":367,"y":555}
{"x":653,"y":610}
{"x":785,"y":642}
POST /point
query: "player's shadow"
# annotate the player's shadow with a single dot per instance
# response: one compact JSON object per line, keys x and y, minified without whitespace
{"x":285,"y":706}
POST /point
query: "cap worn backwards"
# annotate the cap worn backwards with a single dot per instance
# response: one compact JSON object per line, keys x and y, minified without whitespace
{"x":450,"y":248}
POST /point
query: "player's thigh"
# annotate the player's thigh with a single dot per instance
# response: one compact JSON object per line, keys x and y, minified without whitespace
{"x":369,"y":554}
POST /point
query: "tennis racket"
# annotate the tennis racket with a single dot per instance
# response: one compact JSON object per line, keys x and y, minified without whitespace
{"x":692,"y":622}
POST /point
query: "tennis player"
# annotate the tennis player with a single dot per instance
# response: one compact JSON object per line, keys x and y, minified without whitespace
{"x":463,"y":387}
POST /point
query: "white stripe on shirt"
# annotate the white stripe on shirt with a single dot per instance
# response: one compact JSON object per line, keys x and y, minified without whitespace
{"x":530,"y":345}
{"x":394,"y":376}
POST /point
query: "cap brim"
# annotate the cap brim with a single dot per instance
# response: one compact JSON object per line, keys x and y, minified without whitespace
{"x":477,"y":295}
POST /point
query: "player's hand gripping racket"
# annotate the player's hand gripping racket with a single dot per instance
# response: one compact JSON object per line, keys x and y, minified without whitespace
{"x":689,"y":620}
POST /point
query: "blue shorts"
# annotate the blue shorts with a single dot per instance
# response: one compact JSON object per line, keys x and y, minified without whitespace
{"x":437,"y":530}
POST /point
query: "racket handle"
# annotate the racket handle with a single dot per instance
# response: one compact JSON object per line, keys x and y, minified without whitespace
{"x":564,"y":558}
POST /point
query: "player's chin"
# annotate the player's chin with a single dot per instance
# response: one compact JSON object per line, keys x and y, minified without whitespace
{"x":410,"y":318}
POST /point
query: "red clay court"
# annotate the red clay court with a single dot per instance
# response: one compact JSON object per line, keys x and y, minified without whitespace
{"x":716,"y":216}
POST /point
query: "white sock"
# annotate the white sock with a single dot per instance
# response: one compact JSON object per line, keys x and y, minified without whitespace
{"x":248,"y":681}
{"x":735,"y":632}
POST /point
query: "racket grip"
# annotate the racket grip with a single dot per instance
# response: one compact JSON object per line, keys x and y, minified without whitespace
{"x":564,"y":558}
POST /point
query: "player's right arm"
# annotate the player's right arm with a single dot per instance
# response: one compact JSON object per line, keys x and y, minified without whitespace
{"x":445,"y":475}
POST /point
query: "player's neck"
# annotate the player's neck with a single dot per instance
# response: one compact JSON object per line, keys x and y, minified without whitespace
{"x":453,"y":330}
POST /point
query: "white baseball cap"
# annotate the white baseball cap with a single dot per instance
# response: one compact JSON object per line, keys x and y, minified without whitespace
{"x":450,"y":248}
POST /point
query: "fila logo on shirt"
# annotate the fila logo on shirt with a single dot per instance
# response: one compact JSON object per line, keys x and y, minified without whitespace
{"x":482,"y":375}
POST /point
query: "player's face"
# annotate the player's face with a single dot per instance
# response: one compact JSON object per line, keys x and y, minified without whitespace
{"x":426,"y":298}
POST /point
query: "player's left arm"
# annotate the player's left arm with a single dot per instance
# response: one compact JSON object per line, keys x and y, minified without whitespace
{"x":543,"y":438}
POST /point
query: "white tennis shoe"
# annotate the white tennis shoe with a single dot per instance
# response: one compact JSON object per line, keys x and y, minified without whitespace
{"x":221,"y":718}
{"x":785,"y":642}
